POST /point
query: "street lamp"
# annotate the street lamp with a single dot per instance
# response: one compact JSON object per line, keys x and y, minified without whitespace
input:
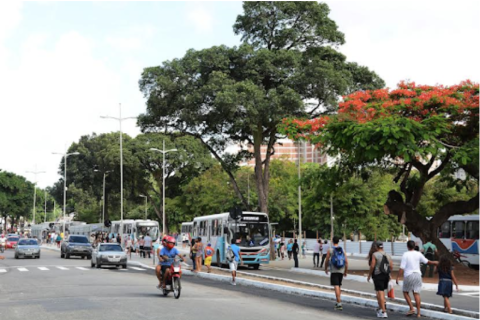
{"x":163,"y":180}
{"x":35,"y":190}
{"x":65,"y":156}
{"x":120,"y":119}
{"x":146,"y":201}
{"x":103,"y":196}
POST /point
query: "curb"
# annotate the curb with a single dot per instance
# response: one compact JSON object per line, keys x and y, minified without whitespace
{"x":425,"y":286}
{"x":323,"y":295}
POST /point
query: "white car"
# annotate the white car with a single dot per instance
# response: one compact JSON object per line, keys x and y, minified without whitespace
{"x":111,"y":254}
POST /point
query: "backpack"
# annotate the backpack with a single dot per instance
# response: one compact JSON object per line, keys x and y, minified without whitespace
{"x":338,"y":258}
{"x":384,"y":265}
{"x":230,"y":254}
{"x":430,"y":254}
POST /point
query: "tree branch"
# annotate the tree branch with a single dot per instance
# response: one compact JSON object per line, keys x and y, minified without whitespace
{"x":440,"y":167}
{"x":454,"y":208}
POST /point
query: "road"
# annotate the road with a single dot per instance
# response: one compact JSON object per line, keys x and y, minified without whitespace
{"x":54,"y":288}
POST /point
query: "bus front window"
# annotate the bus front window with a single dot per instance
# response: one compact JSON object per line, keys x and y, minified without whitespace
{"x":142,"y":231}
{"x":252,"y":234}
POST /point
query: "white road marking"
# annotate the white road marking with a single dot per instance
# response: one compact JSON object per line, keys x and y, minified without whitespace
{"x":62,"y":268}
{"x":3,"y":270}
{"x":82,"y":268}
{"x":22,"y":269}
{"x":135,"y":268}
{"x":43,"y":268}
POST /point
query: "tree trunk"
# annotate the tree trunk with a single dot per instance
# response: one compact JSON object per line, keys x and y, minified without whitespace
{"x":257,"y":151}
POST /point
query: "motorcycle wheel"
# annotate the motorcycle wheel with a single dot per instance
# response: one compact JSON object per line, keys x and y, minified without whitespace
{"x":177,"y":288}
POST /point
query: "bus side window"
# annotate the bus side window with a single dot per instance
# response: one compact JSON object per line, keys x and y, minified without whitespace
{"x":458,"y":230}
{"x":472,"y":230}
{"x":444,"y":231}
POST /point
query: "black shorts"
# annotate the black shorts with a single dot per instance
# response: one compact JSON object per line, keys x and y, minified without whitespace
{"x":164,"y":268}
{"x":380,"y":281}
{"x":336,"y":279}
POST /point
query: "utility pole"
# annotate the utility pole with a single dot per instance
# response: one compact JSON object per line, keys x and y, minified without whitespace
{"x":34,"y":192}
{"x":331,"y":217}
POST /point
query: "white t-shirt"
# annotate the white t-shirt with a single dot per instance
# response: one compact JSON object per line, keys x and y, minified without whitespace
{"x":411,"y":262}
{"x":316,"y":248}
{"x":325,"y":248}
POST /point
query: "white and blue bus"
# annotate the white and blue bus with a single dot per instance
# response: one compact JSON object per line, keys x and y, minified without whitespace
{"x":251,"y":230}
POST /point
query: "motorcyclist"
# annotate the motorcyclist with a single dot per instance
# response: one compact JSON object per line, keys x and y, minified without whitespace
{"x":167,"y":253}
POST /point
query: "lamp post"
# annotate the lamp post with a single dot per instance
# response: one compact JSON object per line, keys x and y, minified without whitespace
{"x":299,"y":198}
{"x":103,"y":195}
{"x":35,"y":190}
{"x":146,"y":201}
{"x":163,"y":181}
{"x":45,"y":205}
{"x":120,"y":119}
{"x":65,"y":156}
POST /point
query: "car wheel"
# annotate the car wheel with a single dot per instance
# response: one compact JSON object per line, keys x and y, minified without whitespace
{"x":67,"y":255}
{"x":98,"y":265}
{"x":61,"y":255}
{"x":89,"y":257}
{"x":16,"y":257}
{"x":92,"y":264}
{"x":124,"y":266}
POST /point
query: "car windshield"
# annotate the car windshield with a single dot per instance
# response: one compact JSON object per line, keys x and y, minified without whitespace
{"x":28,"y":242}
{"x":13,"y":239}
{"x":78,"y":239}
{"x":252,"y":234}
{"x":110,"y":247}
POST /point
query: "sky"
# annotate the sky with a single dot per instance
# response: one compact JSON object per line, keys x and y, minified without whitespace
{"x":65,"y":64}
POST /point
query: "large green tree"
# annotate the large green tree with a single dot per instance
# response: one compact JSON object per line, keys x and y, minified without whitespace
{"x":16,"y":195}
{"x":421,"y":132}
{"x":239,"y":95}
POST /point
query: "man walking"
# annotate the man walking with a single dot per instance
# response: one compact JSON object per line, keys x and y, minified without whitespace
{"x":295,"y":251}
{"x":338,"y":263}
{"x":325,"y":249}
{"x":316,"y":253}
{"x":380,"y":269}
{"x":147,"y":245}
{"x":430,"y":252}
{"x":234,"y":250}
{"x":412,"y":280}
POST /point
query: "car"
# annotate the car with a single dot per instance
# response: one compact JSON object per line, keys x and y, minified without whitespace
{"x":111,"y":254}
{"x":27,"y":248}
{"x":12,"y":242}
{"x":76,"y":245}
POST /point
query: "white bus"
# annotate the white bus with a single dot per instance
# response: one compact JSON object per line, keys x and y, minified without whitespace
{"x":40,"y":230}
{"x":137,"y":228}
{"x":187,"y":228}
{"x":88,"y":229}
{"x":251,"y":230}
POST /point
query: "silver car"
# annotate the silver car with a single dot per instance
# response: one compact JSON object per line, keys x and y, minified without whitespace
{"x":109,"y":254}
{"x":27,"y":248}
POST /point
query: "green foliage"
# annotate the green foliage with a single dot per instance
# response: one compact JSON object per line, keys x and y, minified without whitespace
{"x":16,"y":195}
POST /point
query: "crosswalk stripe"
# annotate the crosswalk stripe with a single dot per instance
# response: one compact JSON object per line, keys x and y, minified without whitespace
{"x":82,"y":268}
{"x":62,"y":268}
{"x":3,"y":270}
{"x":135,"y":268}
{"x":22,"y":269}
{"x":43,"y":268}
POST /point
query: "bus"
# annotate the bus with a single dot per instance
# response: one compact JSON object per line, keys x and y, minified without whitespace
{"x":88,"y":229}
{"x":187,"y":228}
{"x":40,"y":230}
{"x":460,"y":234}
{"x":137,"y":228}
{"x":251,"y":230}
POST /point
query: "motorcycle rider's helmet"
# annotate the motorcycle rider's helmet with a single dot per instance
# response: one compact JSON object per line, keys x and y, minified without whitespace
{"x":170,"y":241}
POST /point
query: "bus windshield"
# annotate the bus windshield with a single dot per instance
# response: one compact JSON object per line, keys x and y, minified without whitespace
{"x":151,"y":230}
{"x":252,"y":234}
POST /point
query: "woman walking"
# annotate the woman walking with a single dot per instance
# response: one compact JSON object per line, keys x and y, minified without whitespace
{"x":199,"y":254}
{"x":445,"y":279}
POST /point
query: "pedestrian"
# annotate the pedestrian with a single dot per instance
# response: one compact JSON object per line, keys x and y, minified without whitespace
{"x":141,"y":243}
{"x":325,"y":249}
{"x":430,"y":252}
{"x":282,"y":250}
{"x":338,"y":264}
{"x":304,"y":248}
{"x":445,"y":278}
{"x":233,"y":257}
{"x":295,"y":252}
{"x":129,"y":245}
{"x":208,"y":256}
{"x":193,"y":254}
{"x":119,"y":239}
{"x":199,"y":254}
{"x":412,"y":276}
{"x":147,"y":245}
{"x":59,"y":239}
{"x":373,"y":249}
{"x":289,"y":249}
{"x":316,"y":253}
{"x":184,"y":240}
{"x":380,"y":268}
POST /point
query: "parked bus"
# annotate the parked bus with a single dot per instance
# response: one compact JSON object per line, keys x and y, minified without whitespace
{"x":460,"y":234}
{"x":40,"y":230}
{"x":251,"y":230}
{"x":187,"y":228}
{"x":137,"y":228}
{"x":88,"y":229}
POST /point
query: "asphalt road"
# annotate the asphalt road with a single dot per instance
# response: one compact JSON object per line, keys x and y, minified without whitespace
{"x":54,"y":288}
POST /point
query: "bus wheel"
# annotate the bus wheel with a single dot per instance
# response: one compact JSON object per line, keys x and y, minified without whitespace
{"x":256,"y":266}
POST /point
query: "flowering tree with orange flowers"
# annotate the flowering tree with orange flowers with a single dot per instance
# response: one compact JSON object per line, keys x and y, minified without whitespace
{"x":421,"y":131}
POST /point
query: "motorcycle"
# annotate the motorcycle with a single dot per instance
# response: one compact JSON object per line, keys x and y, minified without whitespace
{"x":173,"y":283}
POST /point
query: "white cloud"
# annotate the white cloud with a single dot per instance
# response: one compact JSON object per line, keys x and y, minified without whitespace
{"x":200,"y":17}
{"x":133,"y":38}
